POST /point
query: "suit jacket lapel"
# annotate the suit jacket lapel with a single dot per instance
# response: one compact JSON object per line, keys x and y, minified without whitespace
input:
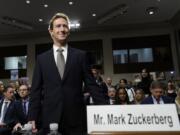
{"x":8,"y":109}
{"x":1,"y":102}
{"x":151,"y":101}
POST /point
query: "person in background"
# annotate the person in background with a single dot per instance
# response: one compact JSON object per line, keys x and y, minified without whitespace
{"x":130,"y":90}
{"x":122,"y":97}
{"x":1,"y":89}
{"x":8,"y":111}
{"x":157,"y":94}
{"x":137,"y":79}
{"x":23,"y":106}
{"x":109,"y":82}
{"x":112,"y":95}
{"x":15,"y":88}
{"x":145,"y":82}
{"x":99,"y":80}
{"x":139,"y":96}
{"x":171,"y":90}
{"x":177,"y":102}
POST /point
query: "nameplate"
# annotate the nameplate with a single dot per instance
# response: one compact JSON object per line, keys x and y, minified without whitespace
{"x":132,"y":118}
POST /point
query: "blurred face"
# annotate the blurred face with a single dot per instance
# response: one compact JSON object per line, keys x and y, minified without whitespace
{"x":144,"y":73}
{"x":94,"y":72}
{"x":157,"y":92}
{"x":170,"y":86}
{"x":1,"y":87}
{"x":122,"y":94}
{"x":139,"y":95}
{"x":122,"y":83}
{"x":9,"y":94}
{"x":23,"y":91}
{"x":111,"y":92}
{"x":17,"y":84}
{"x":108,"y":81}
{"x":60,"y":31}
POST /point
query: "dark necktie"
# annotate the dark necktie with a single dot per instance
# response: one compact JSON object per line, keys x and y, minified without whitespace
{"x":5,"y":110}
{"x":24,"y":107}
{"x":158,"y":101}
{"x":60,"y":62}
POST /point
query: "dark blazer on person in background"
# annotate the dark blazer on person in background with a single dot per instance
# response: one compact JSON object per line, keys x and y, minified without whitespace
{"x":149,"y":100}
{"x":10,"y":118}
{"x":21,"y":116}
{"x":62,"y":98}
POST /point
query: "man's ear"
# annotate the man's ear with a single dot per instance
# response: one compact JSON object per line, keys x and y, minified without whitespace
{"x":151,"y":90}
{"x":50,"y":32}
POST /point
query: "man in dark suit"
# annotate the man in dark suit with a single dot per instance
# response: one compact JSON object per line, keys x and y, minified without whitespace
{"x":157,"y":97}
{"x":8,"y":111}
{"x":1,"y":89}
{"x":58,"y":76}
{"x":22,"y":105}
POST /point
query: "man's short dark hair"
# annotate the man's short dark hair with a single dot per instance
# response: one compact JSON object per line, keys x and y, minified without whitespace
{"x":56,"y":16}
{"x":158,"y":84}
{"x":6,"y":88}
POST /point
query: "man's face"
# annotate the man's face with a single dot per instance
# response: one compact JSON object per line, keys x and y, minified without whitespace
{"x":144,"y":73}
{"x":122,"y":94}
{"x":122,"y":83}
{"x":9,"y":94}
{"x":171,"y":86}
{"x":23,"y":91}
{"x":108,"y":81}
{"x":111,"y":93}
{"x":139,"y":95}
{"x":1,"y":87}
{"x":157,"y":92}
{"x":60,"y":31}
{"x":94,"y":72}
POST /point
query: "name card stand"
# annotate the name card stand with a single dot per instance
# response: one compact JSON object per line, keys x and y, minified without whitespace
{"x":137,"y":133}
{"x":133,"y":120}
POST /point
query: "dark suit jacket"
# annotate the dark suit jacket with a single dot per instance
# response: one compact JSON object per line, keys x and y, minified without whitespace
{"x":10,"y":118}
{"x":21,"y":116}
{"x":149,"y":100}
{"x":62,"y":98}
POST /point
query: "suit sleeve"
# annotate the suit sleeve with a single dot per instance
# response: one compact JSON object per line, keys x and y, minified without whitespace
{"x":97,"y":93}
{"x":35,"y":94}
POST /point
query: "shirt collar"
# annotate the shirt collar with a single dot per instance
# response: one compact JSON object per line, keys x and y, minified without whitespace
{"x":26,"y":100}
{"x":7,"y":101}
{"x":55,"y":48}
{"x":154,"y":99}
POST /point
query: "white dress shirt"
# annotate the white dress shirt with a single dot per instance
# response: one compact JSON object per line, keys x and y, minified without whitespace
{"x":155,"y":101}
{"x":2,"y":110}
{"x":65,"y":48}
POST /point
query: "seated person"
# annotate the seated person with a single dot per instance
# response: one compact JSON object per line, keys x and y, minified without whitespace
{"x":1,"y":89}
{"x":171,"y":90}
{"x":122,"y":97}
{"x":139,"y":96}
{"x":111,"y":95}
{"x":177,"y":101}
{"x":123,"y":83}
{"x":8,"y":111}
{"x":23,"y":105}
{"x":157,"y":97}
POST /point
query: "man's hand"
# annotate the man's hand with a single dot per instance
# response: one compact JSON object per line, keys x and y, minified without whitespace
{"x":34,"y":129}
{"x":18,"y":125}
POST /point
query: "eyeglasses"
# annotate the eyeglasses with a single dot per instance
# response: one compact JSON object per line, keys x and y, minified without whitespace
{"x":23,"y":89}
